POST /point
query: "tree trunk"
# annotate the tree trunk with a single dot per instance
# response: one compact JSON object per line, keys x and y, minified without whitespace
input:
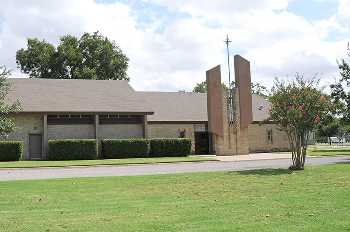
{"x":299,"y":146}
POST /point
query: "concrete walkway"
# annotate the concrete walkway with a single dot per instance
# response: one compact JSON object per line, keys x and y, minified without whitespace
{"x":256,"y":156}
{"x":154,"y":169}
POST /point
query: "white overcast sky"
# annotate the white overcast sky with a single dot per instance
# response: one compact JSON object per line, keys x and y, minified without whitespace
{"x":171,"y":43}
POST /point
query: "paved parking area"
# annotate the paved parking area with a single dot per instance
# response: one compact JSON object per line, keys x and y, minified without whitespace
{"x":154,"y":169}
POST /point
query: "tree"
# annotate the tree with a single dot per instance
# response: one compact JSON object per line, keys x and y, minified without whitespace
{"x":259,"y":89}
{"x":256,"y":88}
{"x":92,"y":56}
{"x":340,"y":91}
{"x":298,"y":107}
{"x":328,"y":128}
{"x":200,"y":87}
{"x":7,"y":124}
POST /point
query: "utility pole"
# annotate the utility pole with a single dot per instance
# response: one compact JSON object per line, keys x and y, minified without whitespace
{"x":227,"y":42}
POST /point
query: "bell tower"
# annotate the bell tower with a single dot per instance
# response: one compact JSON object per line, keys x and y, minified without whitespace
{"x":230,"y":111}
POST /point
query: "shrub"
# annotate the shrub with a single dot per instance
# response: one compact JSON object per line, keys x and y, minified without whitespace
{"x":170,"y":147}
{"x":125,"y":148}
{"x":11,"y":150}
{"x":72,"y":149}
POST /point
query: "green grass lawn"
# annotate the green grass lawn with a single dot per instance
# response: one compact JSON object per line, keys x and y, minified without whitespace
{"x":31,"y":164}
{"x":328,"y":151}
{"x":317,"y":199}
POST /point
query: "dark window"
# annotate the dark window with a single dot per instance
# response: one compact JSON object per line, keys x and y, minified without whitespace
{"x":103,"y":116}
{"x":270,"y":136}
{"x":70,"y":119}
{"x":121,"y":119}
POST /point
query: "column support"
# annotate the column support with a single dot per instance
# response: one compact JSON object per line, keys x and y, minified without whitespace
{"x":145,"y":127}
{"x":45,"y":138}
{"x":97,"y":136}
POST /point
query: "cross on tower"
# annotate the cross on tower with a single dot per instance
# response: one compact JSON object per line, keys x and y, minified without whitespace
{"x":227,"y":42}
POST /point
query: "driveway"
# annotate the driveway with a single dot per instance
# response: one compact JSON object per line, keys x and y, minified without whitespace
{"x":154,"y":169}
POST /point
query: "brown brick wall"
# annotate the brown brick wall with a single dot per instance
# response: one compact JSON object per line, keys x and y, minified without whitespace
{"x":258,"y":140}
{"x":26,"y":123}
{"x":120,"y":131}
{"x":164,"y":130}
{"x":235,"y":139}
{"x":67,"y":131}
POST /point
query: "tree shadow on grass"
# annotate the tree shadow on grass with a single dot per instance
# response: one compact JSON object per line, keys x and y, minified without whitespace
{"x":344,"y":162}
{"x":332,"y":150}
{"x":266,"y":172}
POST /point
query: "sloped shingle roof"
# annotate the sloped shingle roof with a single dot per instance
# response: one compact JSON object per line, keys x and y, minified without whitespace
{"x":51,"y":95}
{"x":187,"y":106}
{"x":176,"y":106}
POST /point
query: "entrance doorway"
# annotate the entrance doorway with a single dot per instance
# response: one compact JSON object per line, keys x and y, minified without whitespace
{"x":35,"y":146}
{"x":201,"y":143}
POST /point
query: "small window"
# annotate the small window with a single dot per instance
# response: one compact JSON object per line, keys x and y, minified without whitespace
{"x":52,"y":116}
{"x":270,"y":136}
{"x":124,"y":116}
{"x":69,"y":119}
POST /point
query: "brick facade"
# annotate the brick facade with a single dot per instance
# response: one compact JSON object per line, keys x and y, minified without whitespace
{"x":26,"y":124}
{"x":80,"y":131}
{"x":259,"y":141}
{"x":165,"y":130}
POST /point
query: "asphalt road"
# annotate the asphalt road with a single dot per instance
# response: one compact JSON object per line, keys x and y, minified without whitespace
{"x":155,"y":169}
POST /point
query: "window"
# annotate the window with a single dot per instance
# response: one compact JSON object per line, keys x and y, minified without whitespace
{"x":70,"y":119}
{"x":121,"y":119}
{"x":103,"y":116}
{"x":269,"y":136}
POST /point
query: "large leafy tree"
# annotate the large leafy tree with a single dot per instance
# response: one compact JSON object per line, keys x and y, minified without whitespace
{"x":341,"y":91}
{"x":92,"y":56}
{"x":7,"y":124}
{"x":298,"y":107}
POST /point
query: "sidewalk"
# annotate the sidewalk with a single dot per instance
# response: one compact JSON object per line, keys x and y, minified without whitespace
{"x":156,"y":169}
{"x":256,"y":156}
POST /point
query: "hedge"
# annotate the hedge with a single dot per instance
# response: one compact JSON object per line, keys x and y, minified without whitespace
{"x":125,"y":148}
{"x":170,"y":147}
{"x":72,"y":149}
{"x":11,"y":150}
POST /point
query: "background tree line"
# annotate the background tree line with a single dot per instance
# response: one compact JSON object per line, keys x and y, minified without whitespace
{"x":92,"y":56}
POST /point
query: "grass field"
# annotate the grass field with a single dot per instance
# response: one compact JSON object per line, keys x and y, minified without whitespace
{"x":30,"y":164}
{"x":328,"y":150}
{"x":317,"y":199}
